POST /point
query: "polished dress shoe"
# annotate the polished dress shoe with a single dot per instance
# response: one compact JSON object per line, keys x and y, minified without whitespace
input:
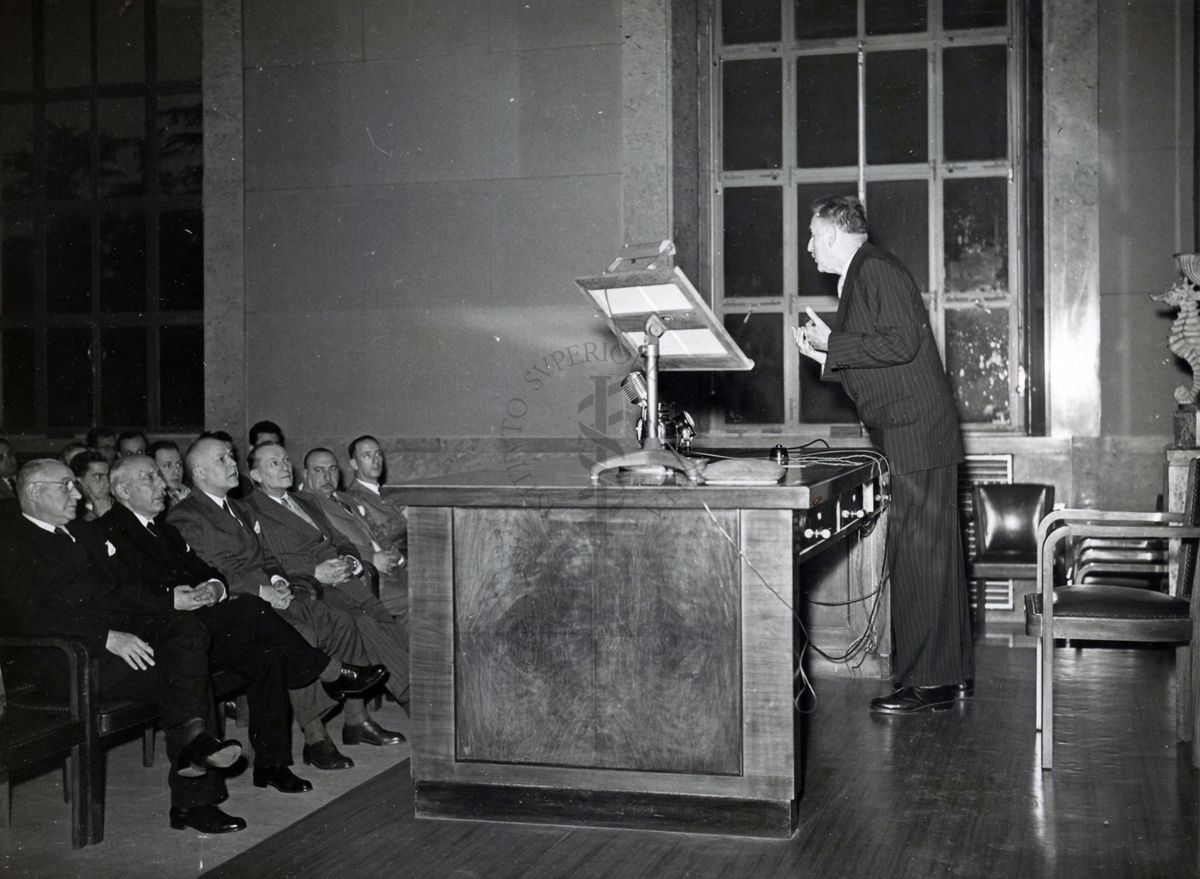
{"x":370,"y":733}
{"x":206,"y":752}
{"x":354,"y":680}
{"x":206,"y":819}
{"x":281,"y":778}
{"x":966,"y":690}
{"x":325,"y":755}
{"x":911,"y":700}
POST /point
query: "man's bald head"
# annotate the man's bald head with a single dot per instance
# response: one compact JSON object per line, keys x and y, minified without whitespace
{"x":211,"y":465}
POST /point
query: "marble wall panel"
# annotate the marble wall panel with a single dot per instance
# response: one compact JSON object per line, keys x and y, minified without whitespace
{"x":425,"y":28}
{"x":1139,"y":371}
{"x":519,"y":25}
{"x":287,"y":32}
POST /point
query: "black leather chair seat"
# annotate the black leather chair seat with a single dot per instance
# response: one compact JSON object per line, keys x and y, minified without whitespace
{"x":20,"y":727}
{"x":1098,"y":602}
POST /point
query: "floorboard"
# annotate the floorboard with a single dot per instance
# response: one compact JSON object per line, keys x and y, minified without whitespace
{"x":956,"y":793}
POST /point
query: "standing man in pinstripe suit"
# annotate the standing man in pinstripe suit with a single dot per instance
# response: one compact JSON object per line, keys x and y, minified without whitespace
{"x":885,"y":356}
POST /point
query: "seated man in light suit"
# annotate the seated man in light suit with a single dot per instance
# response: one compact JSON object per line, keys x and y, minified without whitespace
{"x":156,"y":563}
{"x":312,"y":551}
{"x":386,"y":517}
{"x":55,"y":580}
{"x":226,"y":534}
{"x":322,"y":475}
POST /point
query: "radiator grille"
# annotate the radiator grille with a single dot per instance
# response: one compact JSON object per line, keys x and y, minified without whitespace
{"x":996,"y":594}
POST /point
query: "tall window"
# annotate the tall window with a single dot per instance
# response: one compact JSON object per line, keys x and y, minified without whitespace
{"x":101,"y":232}
{"x":913,"y":106}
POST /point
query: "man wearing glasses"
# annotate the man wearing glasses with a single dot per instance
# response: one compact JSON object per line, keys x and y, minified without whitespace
{"x":56,"y":582}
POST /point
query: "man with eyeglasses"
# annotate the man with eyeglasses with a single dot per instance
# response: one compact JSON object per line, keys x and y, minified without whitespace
{"x":56,"y":581}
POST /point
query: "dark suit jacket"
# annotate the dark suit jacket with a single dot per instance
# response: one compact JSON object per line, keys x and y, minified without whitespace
{"x":216,"y":537}
{"x":885,"y":356}
{"x":154,"y":565}
{"x":298,"y":546}
{"x":389,"y":524}
{"x":348,"y":522}
{"x":50,"y":584}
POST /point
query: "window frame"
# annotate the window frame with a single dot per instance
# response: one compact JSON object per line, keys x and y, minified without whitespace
{"x":95,"y":207}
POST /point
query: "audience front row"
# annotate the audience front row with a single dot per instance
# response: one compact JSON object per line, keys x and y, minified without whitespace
{"x":170,"y":583}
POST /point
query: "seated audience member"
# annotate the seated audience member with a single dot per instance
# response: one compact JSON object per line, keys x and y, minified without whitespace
{"x":8,"y":482}
{"x":71,"y":449}
{"x":91,"y":469}
{"x":104,"y":441}
{"x":8,"y":471}
{"x":311,"y":551}
{"x":321,"y":479}
{"x":387,"y":518}
{"x":131,"y":442}
{"x":266,"y":432}
{"x":244,"y":487}
{"x":225,"y":533}
{"x":152,"y":559}
{"x":56,"y":582}
{"x":170,"y":464}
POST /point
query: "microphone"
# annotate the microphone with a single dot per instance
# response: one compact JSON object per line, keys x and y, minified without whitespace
{"x":634,"y":387}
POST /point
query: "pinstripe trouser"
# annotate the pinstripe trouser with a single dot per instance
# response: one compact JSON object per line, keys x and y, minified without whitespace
{"x":931,"y":623}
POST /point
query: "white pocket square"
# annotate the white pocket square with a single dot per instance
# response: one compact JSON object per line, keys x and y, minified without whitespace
{"x":112,"y":550}
{"x":362,"y":511}
{"x":257,"y":527}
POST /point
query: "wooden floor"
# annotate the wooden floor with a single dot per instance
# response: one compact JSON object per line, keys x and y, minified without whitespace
{"x":951,"y":794}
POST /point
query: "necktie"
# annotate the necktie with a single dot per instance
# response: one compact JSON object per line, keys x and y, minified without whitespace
{"x":295,"y":508}
{"x":229,"y":510}
{"x":153,"y":531}
{"x":65,"y":533}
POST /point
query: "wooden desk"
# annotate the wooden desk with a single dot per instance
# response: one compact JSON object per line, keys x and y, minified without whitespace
{"x":602,"y":654}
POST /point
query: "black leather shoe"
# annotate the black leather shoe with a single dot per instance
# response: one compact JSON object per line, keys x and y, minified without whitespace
{"x":354,"y":680}
{"x":910,"y":700}
{"x":206,"y":752}
{"x":370,"y":733}
{"x":281,"y":778}
{"x":325,"y":755}
{"x":206,"y":819}
{"x":966,"y":690}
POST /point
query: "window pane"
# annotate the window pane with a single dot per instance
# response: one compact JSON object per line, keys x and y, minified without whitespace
{"x":123,"y":262}
{"x":896,"y":107}
{"x":17,"y":409}
{"x":16,"y":152}
{"x":180,"y":146}
{"x":823,"y":402}
{"x":181,"y":260}
{"x":896,"y":16}
{"x":121,"y":124}
{"x":976,"y":229}
{"x":69,"y":266}
{"x":812,"y":282}
{"x":826,"y":111}
{"x":121,"y":42}
{"x":181,"y":376}
{"x":752,"y":114}
{"x":123,"y":377}
{"x":67,"y":43}
{"x":898,"y":219}
{"x":975,"y":13}
{"x":68,"y":150}
{"x":69,"y":377}
{"x":16,"y":44}
{"x":753,"y":241}
{"x":179,"y":40}
{"x":754,"y":397}
{"x":749,"y":21}
{"x":16,"y":267}
{"x":975,"y":102}
{"x":823,"y":19}
{"x":977,"y":363}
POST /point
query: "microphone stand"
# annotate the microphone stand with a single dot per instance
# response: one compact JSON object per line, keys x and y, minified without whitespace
{"x":652,"y":458}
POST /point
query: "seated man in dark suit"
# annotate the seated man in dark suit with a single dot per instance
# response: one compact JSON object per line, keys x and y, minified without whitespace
{"x":225,"y":534}
{"x":386,"y":517}
{"x":56,"y":581}
{"x":246,"y":634}
{"x":312,"y":552}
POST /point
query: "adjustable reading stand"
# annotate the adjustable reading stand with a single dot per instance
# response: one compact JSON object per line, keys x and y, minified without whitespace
{"x":657,"y":314}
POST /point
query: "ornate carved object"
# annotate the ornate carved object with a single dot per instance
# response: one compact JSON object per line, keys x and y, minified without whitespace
{"x":1184,"y":342}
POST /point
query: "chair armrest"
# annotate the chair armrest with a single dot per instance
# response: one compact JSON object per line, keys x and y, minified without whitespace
{"x":1058,"y":518}
{"x":83,"y":668}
